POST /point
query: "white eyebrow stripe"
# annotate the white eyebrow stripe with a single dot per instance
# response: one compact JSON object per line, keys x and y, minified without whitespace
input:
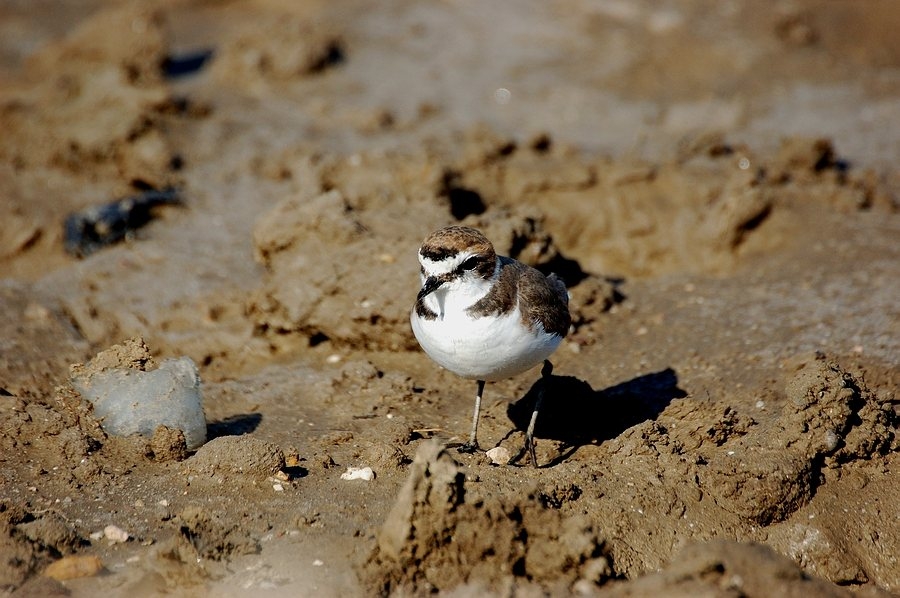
{"x":444,"y":266}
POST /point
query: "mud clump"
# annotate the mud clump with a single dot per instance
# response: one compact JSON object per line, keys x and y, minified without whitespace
{"x":133,"y":354}
{"x":212,"y":536}
{"x":702,"y":468}
{"x":277,"y":48}
{"x":29,"y":541}
{"x":723,"y":568}
{"x":762,"y":484}
{"x":829,"y":420}
{"x":19,"y":560}
{"x":241,"y":456}
{"x":437,"y":538}
{"x":167,"y":444}
{"x":52,"y":531}
{"x":843,"y":421}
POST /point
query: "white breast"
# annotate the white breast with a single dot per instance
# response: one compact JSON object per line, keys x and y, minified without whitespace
{"x":488,"y":348}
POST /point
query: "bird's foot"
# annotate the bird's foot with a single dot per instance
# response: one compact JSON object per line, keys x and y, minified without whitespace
{"x":529,"y":448}
{"x":468,"y":448}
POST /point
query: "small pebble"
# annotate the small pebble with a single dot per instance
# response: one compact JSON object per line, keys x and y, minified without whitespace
{"x":499,"y":455}
{"x":358,"y":473}
{"x":115,"y":534}
{"x":277,"y":487}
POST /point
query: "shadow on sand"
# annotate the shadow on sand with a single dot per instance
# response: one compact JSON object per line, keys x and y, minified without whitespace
{"x":235,"y":425}
{"x":576,"y":414}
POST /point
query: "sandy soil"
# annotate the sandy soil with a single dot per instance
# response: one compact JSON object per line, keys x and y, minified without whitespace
{"x":716,"y":182}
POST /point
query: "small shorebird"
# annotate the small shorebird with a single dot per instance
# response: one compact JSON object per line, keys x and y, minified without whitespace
{"x":486,"y":317}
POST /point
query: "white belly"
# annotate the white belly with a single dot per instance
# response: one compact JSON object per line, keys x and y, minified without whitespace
{"x":488,"y":348}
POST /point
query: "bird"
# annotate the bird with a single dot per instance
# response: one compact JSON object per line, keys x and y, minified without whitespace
{"x":487,"y":317}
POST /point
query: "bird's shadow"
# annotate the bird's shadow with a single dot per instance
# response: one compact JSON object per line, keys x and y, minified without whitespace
{"x":576,"y":414}
{"x":235,"y":425}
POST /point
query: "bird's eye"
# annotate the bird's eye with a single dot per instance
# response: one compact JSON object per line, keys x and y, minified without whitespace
{"x":469,"y":264}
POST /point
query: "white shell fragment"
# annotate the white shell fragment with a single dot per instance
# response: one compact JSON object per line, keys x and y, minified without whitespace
{"x":358,"y":473}
{"x":499,"y":455}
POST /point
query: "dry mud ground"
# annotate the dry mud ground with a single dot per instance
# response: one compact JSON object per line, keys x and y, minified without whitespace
{"x":716,"y":181}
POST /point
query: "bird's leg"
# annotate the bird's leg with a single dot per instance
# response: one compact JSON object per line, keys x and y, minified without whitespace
{"x":529,"y":435}
{"x":472,"y":445}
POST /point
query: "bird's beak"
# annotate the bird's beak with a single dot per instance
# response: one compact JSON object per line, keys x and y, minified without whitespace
{"x":432,"y":283}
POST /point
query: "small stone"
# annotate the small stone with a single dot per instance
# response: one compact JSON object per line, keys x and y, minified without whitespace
{"x":499,"y":455}
{"x":292,"y":457}
{"x":115,"y":534}
{"x":358,"y":473}
{"x":236,"y":455}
